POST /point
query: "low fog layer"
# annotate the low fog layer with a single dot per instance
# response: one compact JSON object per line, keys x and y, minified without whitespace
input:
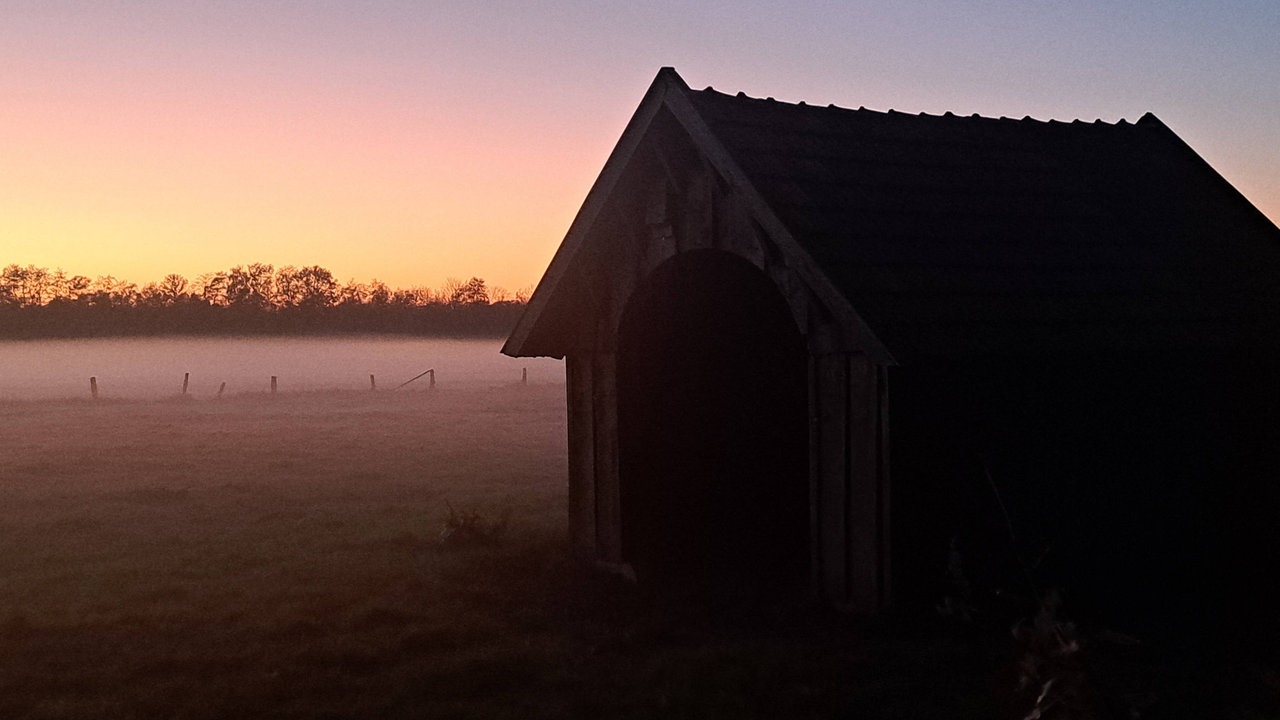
{"x":154,"y":367}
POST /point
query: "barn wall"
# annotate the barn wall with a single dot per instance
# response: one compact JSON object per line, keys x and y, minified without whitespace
{"x":849,"y":481}
{"x":594,"y":509}
{"x":1137,"y":485}
{"x":582,"y":456}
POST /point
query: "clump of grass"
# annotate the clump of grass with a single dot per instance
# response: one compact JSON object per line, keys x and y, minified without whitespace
{"x":1051,"y":662}
{"x":471,"y":527}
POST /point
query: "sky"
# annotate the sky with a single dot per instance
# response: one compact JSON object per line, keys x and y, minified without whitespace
{"x":414,"y":141}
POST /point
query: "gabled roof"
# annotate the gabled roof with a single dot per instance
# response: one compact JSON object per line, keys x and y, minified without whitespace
{"x":961,"y":236}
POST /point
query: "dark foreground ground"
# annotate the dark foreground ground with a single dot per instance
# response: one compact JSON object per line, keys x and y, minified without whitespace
{"x":401,"y":555}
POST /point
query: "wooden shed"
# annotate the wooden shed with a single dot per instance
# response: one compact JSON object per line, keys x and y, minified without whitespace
{"x":808,"y":347}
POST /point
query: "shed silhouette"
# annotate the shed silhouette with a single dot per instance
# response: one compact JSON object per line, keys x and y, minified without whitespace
{"x":814,"y":351}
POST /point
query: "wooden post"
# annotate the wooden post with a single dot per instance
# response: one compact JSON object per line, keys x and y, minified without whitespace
{"x":93,"y":387}
{"x":863,"y":489}
{"x":604,"y":391}
{"x":831,"y":378}
{"x":582,"y":454}
{"x":186,"y":378}
{"x":373,"y":384}
{"x":431,"y":377}
{"x":849,"y":482}
{"x":273,"y":384}
{"x":524,"y":376}
{"x":885,"y":482}
{"x":222,"y":387}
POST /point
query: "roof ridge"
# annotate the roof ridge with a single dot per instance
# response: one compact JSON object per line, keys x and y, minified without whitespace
{"x":947,"y":115}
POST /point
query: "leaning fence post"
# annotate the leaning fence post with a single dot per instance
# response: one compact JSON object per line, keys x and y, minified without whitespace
{"x":373,"y":384}
{"x":222,"y":387}
{"x":430,"y":372}
{"x":93,"y":387}
{"x":273,"y":384}
{"x":431,"y":376}
{"x":186,"y":378}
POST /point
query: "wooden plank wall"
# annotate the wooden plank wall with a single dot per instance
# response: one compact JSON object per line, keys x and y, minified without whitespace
{"x":582,"y":462}
{"x":849,"y":482}
{"x":595,"y":509}
{"x":608,"y":488}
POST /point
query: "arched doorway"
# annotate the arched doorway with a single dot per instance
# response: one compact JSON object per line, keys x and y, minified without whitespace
{"x":713,"y":434}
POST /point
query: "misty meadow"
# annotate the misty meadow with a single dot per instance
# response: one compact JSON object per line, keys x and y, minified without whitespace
{"x":335,"y":551}
{"x":273,"y":556}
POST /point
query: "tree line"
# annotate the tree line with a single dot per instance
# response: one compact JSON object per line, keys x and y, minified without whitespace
{"x":257,"y":298}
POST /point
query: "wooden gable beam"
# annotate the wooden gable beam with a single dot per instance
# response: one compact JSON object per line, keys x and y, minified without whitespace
{"x":597,"y":198}
{"x":855,"y":331}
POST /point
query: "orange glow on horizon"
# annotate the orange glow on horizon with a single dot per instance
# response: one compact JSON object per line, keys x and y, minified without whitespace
{"x":381,"y":191}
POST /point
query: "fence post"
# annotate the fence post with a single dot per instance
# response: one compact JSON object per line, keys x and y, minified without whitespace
{"x":273,"y":384}
{"x":222,"y":387}
{"x":431,"y":375}
{"x":373,"y":384}
{"x":93,"y":387}
{"x":186,"y":378}
{"x":524,"y":376}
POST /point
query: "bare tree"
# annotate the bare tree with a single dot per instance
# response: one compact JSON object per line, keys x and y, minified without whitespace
{"x":379,"y":293}
{"x":212,"y":288}
{"x":110,"y":291}
{"x":8,"y":293}
{"x":173,"y":288}
{"x":168,"y":292}
{"x":413,"y":297}
{"x":26,"y":286}
{"x":251,"y":286}
{"x":472,"y":292}
{"x":150,"y":296}
{"x":66,"y":289}
{"x":305,"y":287}
{"x":353,"y":293}
{"x":450,"y":289}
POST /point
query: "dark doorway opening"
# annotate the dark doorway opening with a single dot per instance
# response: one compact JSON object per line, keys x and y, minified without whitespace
{"x":713,"y":434}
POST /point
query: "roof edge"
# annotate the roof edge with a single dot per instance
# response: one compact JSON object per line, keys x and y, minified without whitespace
{"x":1150,"y":120}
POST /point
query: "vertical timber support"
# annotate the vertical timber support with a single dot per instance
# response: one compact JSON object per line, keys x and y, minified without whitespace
{"x":608,"y":488}
{"x":883,"y":496}
{"x":849,"y":482}
{"x":865,"y":520}
{"x":582,"y":456}
{"x":830,"y":383}
{"x":595,"y":508}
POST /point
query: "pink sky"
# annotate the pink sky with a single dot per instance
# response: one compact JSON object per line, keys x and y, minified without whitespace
{"x":415,"y":141}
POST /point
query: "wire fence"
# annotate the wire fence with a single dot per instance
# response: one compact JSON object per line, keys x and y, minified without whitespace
{"x":109,"y":369}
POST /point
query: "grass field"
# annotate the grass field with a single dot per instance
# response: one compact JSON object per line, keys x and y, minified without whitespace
{"x":282,"y":556}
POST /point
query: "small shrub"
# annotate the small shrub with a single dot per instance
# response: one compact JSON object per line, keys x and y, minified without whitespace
{"x":1051,"y":661}
{"x":471,"y":527}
